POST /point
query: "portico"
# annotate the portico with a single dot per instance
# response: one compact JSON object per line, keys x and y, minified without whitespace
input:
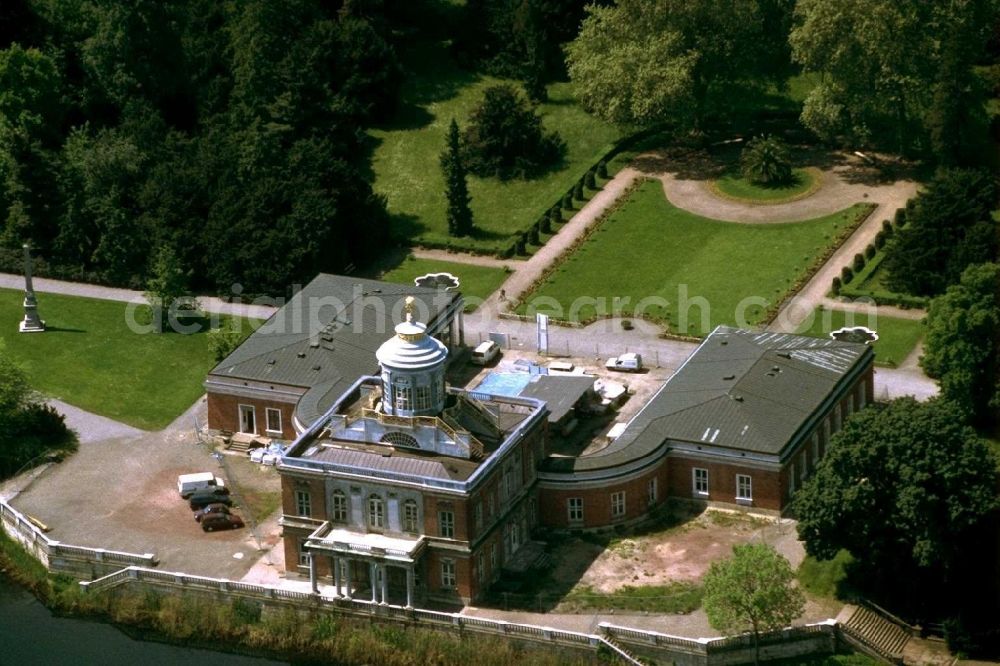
{"x":356,"y":558}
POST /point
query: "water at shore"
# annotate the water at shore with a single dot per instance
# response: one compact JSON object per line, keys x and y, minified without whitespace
{"x":30,"y":634}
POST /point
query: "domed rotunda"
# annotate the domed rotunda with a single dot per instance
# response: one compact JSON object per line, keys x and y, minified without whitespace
{"x":412,"y":365}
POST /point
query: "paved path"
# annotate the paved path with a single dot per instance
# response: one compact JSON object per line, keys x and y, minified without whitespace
{"x":466,"y":258}
{"x":522,"y":279}
{"x":915,"y":314}
{"x":90,"y":427}
{"x":207,"y":303}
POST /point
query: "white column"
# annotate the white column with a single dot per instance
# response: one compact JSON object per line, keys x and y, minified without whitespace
{"x":372,"y":577}
{"x":409,"y":586}
{"x":335,"y":564}
{"x":385,"y":584}
{"x":347,"y":574}
{"x":312,"y":574}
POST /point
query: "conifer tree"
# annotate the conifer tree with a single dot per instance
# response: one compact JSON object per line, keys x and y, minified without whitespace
{"x":459,"y":214}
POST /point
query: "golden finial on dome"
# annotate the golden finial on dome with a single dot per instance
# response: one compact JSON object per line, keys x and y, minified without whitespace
{"x":409,"y":307}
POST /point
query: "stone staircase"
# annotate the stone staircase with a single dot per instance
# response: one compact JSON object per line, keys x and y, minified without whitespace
{"x":877,"y":632}
{"x":621,"y":655}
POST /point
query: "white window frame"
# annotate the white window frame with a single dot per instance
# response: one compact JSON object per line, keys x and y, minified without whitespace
{"x":652,"y":491}
{"x":304,"y":554}
{"x":446,"y":524}
{"x":619,"y":507}
{"x":696,"y":482}
{"x":741,"y":481}
{"x":376,"y":512}
{"x":253,"y":418}
{"x":267,"y":421}
{"x":574,"y":510}
{"x":449,"y":579}
{"x":338,"y":507}
{"x":303,"y":503}
{"x":411,"y":517}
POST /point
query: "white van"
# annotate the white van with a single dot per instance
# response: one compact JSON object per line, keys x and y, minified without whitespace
{"x":187,"y":484}
{"x":630,"y":362}
{"x":485,"y":352}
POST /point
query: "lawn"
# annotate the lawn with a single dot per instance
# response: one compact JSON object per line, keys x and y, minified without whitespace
{"x":897,"y":337}
{"x":406,"y":156}
{"x":476,"y":282}
{"x":825,"y":578}
{"x":734,"y":186}
{"x":672,"y":598}
{"x":90,"y":358}
{"x":687,"y":271}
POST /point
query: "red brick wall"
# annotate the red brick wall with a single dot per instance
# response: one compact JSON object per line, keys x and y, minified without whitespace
{"x":466,"y":585}
{"x":460,"y":507}
{"x":224,"y":414}
{"x":317,"y":492}
{"x":767,"y":488}
{"x":552,"y":502}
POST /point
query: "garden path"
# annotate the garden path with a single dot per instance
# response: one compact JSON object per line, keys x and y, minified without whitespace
{"x":883,"y":310}
{"x":466,"y":258}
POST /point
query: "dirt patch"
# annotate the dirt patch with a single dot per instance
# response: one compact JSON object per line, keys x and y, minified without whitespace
{"x":680,"y":554}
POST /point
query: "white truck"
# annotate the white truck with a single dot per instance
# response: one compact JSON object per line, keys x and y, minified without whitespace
{"x":630,"y":362}
{"x":187,"y":484}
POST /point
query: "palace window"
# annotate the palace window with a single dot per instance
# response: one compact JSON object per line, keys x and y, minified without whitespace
{"x":303,"y":503}
{"x":273,"y":420}
{"x":410,"y":520}
{"x":651,"y":491}
{"x":422,"y":397}
{"x":303,"y":554}
{"x":376,"y":512}
{"x":618,"y":504}
{"x":404,"y":397}
{"x":338,"y":506}
{"x":744,"y":487}
{"x":446,"y":524}
{"x":574,"y":506}
{"x":699,"y":478}
{"x":481,"y":564}
{"x":448,"y":578}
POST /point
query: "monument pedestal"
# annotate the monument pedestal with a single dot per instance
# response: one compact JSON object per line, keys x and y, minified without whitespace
{"x":31,"y":322}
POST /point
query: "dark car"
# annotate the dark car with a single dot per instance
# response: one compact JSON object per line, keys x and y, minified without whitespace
{"x":221,"y":521}
{"x":215,"y":507}
{"x":203,"y":498}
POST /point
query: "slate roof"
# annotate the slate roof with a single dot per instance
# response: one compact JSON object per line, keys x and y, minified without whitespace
{"x":314,"y":341}
{"x":560,"y":392}
{"x":362,"y":457}
{"x":741,"y":390}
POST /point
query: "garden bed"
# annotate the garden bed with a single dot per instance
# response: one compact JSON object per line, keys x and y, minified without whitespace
{"x":734,"y":187}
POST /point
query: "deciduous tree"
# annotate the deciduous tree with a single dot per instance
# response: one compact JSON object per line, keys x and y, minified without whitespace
{"x":754,"y":590}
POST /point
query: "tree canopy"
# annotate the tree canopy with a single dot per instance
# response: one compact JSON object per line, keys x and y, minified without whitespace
{"x":902,"y":489}
{"x":963,"y":332}
{"x":895,"y":67}
{"x":753,"y":591}
{"x":641,"y":62}
{"x":949,"y":226}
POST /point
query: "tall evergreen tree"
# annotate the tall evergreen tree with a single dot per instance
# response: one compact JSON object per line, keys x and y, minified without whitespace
{"x":459,"y":214}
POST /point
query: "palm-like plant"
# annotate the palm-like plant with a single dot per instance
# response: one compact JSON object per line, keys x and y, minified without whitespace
{"x":766,"y":161}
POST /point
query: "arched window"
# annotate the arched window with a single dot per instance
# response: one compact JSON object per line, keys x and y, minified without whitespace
{"x":399,"y":439}
{"x":376,"y":512}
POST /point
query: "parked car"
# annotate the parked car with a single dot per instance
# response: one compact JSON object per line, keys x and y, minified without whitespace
{"x":202,"y":498}
{"x":221,"y":521}
{"x":189,"y":483}
{"x":485,"y":352}
{"x":214,"y":507}
{"x":269,"y":455}
{"x":630,"y":362}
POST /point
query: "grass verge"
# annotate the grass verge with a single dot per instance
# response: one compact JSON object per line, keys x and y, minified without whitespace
{"x":671,"y":598}
{"x":476,"y":282}
{"x":825,"y":578}
{"x":90,"y":358}
{"x":735,"y":187}
{"x":652,"y":259}
{"x":897,"y":337}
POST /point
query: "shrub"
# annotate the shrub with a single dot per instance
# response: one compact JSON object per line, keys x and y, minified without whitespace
{"x":846,"y":274}
{"x":887,"y":227}
{"x":880,"y":239}
{"x":224,"y":340}
{"x":602,"y":169}
{"x":521,"y":244}
{"x":544,"y":224}
{"x":505,"y":137}
{"x":578,"y":191}
{"x":590,"y":181}
{"x":835,"y":286}
{"x":533,"y":234}
{"x":509,"y":252}
{"x":870,"y":251}
{"x":765,"y":160}
{"x":627,"y":324}
{"x":567,"y":201}
{"x":555,"y":216}
{"x":859,"y":262}
{"x":899,"y":218}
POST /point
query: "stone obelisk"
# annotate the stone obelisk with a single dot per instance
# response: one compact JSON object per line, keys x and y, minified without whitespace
{"x":31,"y":323}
